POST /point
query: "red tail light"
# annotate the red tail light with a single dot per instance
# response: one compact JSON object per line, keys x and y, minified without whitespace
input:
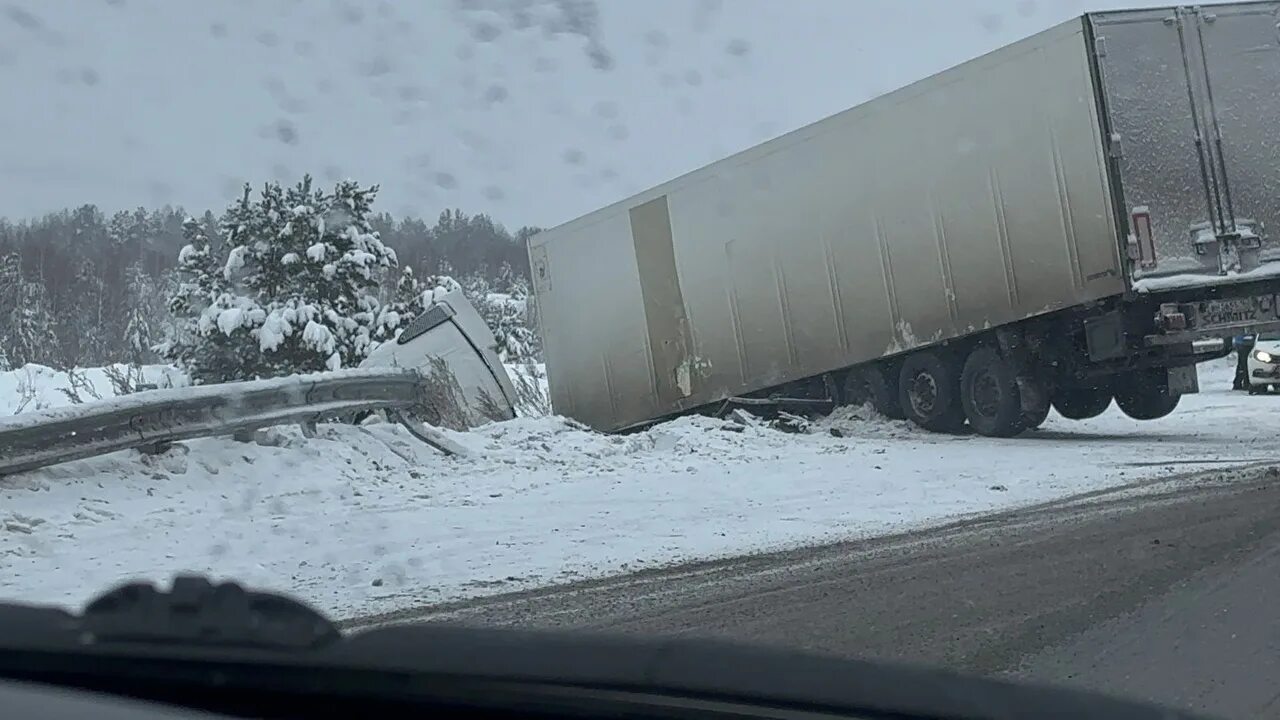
{"x":1142,"y":232}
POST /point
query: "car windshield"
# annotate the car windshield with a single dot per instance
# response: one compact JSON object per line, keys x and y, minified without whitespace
{"x":888,"y":329}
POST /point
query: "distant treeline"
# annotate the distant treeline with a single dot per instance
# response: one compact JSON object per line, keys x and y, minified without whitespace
{"x":72,"y":282}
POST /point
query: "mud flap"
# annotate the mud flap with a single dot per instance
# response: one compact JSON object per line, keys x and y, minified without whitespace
{"x":1034,"y":395}
{"x":1184,"y":380}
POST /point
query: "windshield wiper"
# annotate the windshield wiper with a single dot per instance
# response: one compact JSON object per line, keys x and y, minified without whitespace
{"x":194,"y":613}
{"x":223,"y":648}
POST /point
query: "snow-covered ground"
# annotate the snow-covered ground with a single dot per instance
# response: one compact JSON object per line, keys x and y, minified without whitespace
{"x":36,"y":387}
{"x":363,"y":520}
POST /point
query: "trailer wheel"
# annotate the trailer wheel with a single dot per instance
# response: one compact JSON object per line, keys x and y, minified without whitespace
{"x":1081,"y":403}
{"x":1144,"y":394}
{"x":989,"y":394}
{"x":874,"y":384}
{"x":929,"y":391}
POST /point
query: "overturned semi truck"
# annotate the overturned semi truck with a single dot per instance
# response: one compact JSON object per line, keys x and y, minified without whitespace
{"x":1055,"y":223}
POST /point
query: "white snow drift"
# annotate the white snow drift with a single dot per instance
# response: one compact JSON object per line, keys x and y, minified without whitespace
{"x":364,"y":520}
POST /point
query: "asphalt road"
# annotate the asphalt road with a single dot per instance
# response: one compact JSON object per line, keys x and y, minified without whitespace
{"x":1166,"y":591}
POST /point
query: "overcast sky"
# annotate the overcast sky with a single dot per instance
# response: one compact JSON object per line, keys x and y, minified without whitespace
{"x":534,"y":111}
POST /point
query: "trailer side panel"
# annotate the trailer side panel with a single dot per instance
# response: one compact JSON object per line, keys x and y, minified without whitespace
{"x":971,"y":199}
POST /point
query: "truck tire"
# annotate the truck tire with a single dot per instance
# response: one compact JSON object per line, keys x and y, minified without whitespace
{"x":929,"y":391}
{"x":1144,"y":394}
{"x":1081,"y":403}
{"x":989,"y":394}
{"x":876,"y":385}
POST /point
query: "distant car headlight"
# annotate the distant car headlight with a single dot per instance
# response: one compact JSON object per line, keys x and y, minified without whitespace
{"x":1263,"y":356}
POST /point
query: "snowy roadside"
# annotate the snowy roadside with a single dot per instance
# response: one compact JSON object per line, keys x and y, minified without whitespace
{"x":367,"y":520}
{"x":37,"y":387}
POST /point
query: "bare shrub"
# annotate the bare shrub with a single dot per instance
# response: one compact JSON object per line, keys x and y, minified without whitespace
{"x":78,"y":386}
{"x":532,"y":399}
{"x":127,"y":381}
{"x":443,"y":403}
{"x":26,"y":394}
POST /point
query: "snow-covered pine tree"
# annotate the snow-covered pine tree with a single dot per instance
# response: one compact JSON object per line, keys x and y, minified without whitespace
{"x":296,"y":292}
{"x":283,"y":280}
{"x":519,"y":288}
{"x":337,"y":278}
{"x":10,"y":296}
{"x":234,"y":331}
{"x":530,"y":344}
{"x":84,"y":320}
{"x":505,"y":316}
{"x":441,"y":282}
{"x":193,"y":345}
{"x":165,"y":325}
{"x":139,"y":292}
{"x":300,"y":281}
{"x":516,"y":342}
{"x":10,"y":281}
{"x":478,"y":291}
{"x":502,"y":283}
{"x":217,"y":318}
{"x":408,"y":301}
{"x":410,"y":292}
{"x":119,"y":231}
{"x":30,"y":327}
{"x":254,"y":233}
{"x":129,"y":233}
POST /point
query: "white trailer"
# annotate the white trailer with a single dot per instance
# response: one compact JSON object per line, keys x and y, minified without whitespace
{"x":1054,"y":222}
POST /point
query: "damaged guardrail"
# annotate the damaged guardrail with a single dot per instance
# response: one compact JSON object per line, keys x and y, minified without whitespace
{"x":48,"y":437}
{"x":442,"y":371}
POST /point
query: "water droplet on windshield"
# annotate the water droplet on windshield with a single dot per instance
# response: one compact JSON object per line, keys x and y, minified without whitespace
{"x":446,"y":180}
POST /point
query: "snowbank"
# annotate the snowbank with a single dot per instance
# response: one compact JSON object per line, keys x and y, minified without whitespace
{"x":362,"y":520}
{"x":33,"y":388}
{"x":36,"y":387}
{"x":294,"y":386}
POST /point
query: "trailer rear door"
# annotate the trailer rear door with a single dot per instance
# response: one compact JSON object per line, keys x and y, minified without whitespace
{"x":1192,"y":103}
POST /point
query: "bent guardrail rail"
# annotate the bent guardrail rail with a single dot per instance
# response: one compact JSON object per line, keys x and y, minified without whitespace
{"x":48,"y":437}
